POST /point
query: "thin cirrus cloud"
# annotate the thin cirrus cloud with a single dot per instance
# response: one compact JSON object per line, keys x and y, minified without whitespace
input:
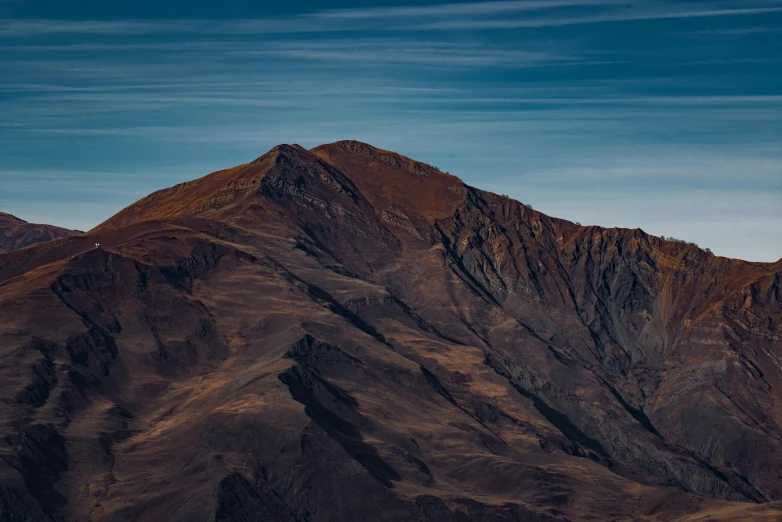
{"x":461,"y":9}
{"x":619,"y":16}
{"x":33,"y":27}
{"x":731,"y":32}
{"x":453,"y":16}
{"x":378,"y":53}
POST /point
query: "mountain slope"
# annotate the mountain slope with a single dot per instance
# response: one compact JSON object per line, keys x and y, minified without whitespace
{"x":348,"y":334}
{"x":16,"y":233}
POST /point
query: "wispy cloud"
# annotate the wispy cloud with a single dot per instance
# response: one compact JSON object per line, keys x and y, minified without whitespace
{"x":453,"y":16}
{"x":376,"y":52}
{"x":461,"y":9}
{"x":32,"y":27}
{"x":561,"y":21}
{"x":733,"y":32}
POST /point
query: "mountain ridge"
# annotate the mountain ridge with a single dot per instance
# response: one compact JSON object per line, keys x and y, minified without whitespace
{"x":16,"y":233}
{"x":344,"y":333}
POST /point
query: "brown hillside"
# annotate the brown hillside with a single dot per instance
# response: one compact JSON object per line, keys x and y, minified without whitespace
{"x":16,"y":233}
{"x":347,"y":334}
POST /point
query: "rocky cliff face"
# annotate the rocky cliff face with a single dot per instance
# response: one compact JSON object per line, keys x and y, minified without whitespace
{"x":347,"y":334}
{"x":16,"y":233}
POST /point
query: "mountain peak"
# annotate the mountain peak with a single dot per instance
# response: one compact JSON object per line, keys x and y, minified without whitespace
{"x":285,"y":171}
{"x":403,"y":190}
{"x":357,"y":146}
{"x":347,"y":319}
{"x":281,"y":150}
{"x":388,"y":157}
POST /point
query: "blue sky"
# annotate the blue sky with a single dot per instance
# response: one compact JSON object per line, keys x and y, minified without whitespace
{"x":654,"y":114}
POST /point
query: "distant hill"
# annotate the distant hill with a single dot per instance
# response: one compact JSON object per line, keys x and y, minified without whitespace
{"x":16,"y":233}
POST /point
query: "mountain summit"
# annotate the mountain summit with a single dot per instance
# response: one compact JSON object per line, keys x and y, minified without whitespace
{"x":344,"y":333}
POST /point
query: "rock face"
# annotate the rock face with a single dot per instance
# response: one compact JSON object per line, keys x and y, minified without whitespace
{"x":347,"y":334}
{"x":16,"y":233}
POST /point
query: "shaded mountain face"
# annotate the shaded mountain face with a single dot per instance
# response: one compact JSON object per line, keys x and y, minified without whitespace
{"x":347,"y":334}
{"x":16,"y":233}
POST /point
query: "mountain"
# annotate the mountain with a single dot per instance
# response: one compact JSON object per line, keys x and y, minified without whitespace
{"x":16,"y":233}
{"x":344,"y":333}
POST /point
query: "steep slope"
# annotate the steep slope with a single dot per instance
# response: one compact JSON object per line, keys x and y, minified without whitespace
{"x":348,"y":334}
{"x":16,"y":233}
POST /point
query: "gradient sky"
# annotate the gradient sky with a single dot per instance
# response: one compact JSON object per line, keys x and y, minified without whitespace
{"x":661,"y":115}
